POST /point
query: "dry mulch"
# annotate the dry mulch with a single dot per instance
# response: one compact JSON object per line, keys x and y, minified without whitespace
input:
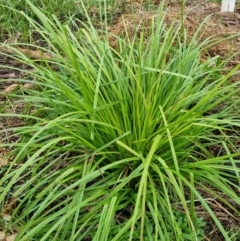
{"x":218,"y":26}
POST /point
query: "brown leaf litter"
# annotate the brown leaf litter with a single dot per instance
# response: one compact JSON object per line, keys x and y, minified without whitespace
{"x":218,"y":27}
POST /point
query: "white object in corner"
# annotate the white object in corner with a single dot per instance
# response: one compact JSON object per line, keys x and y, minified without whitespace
{"x":228,"y":5}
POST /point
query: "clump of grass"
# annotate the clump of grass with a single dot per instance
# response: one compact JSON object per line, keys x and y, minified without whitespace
{"x":115,"y":137}
{"x":67,"y":11}
{"x":13,"y":23}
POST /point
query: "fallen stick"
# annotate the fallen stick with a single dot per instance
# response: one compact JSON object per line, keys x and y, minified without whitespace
{"x":32,"y":54}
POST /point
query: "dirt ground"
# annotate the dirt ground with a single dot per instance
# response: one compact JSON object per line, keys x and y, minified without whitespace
{"x":219,"y":26}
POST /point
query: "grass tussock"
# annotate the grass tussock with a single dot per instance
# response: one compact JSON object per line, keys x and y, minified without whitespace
{"x":118,"y":141}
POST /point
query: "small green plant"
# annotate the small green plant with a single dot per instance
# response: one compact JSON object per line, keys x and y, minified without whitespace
{"x":234,"y":234}
{"x":116,"y":136}
{"x":199,"y":224}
